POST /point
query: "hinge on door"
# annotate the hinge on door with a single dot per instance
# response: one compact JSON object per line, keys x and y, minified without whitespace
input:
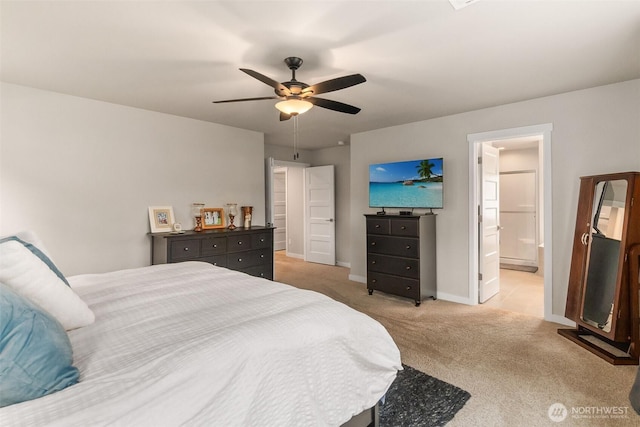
{"x":479,"y":160}
{"x":632,"y":199}
{"x":479,"y":215}
{"x":479,"y":276}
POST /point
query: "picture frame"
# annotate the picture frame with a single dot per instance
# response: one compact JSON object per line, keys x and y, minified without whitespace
{"x":212,"y":218}
{"x":161,"y":219}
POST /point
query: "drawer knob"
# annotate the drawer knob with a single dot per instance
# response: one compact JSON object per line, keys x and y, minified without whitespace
{"x":374,"y":281}
{"x":261,"y":255}
{"x":261,"y":240}
{"x":186,"y":249}
{"x":215,"y":246}
{"x":408,"y":247}
{"x":240,"y":242}
{"x":239,"y":259}
{"x":403,"y":228}
{"x":373,"y":243}
{"x":261,"y":274}
{"x":377,"y":225}
{"x":408,"y":267}
{"x":408,"y":288}
{"x":373,"y":262}
{"x":215,"y":263}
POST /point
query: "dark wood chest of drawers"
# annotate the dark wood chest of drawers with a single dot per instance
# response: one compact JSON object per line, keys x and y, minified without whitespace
{"x":401,"y":255}
{"x":247,"y":250}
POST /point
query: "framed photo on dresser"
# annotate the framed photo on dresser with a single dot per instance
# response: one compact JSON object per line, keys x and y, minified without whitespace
{"x":212,"y":218}
{"x":161,"y":219}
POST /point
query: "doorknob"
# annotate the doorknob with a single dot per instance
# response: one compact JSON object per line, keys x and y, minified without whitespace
{"x":330,"y":219}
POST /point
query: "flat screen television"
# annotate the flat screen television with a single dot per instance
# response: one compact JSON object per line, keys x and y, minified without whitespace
{"x":409,"y":184}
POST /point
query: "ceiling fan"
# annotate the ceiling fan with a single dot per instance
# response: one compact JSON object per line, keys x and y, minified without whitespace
{"x":298,"y":97}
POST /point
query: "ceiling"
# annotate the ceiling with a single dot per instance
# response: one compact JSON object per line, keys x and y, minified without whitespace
{"x":422,"y":59}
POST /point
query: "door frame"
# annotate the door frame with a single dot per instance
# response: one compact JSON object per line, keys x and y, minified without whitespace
{"x":474,"y":141}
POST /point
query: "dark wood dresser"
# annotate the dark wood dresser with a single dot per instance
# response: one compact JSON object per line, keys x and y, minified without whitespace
{"x":401,"y":255}
{"x":247,"y":250}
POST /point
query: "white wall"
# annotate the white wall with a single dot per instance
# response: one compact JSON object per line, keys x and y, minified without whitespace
{"x":519,"y":160}
{"x":82,"y":173}
{"x":285,"y":153}
{"x":594,"y":131}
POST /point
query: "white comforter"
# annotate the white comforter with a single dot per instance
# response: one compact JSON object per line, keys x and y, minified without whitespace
{"x":194,"y":344}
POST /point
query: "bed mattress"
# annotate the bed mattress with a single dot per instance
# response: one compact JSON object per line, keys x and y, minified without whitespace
{"x":195,"y":344}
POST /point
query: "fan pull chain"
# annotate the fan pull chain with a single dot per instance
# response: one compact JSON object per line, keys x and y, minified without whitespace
{"x":296,"y":155}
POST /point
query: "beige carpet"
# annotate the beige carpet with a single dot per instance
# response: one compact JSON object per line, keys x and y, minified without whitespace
{"x":515,"y":366}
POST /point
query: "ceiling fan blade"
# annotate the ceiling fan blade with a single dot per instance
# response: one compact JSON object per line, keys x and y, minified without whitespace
{"x":335,"y":84}
{"x":246,"y":99}
{"x":279,"y":87}
{"x":284,"y":116}
{"x":333,"y":105}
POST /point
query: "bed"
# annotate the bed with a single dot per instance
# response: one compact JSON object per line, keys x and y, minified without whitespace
{"x":195,"y":344}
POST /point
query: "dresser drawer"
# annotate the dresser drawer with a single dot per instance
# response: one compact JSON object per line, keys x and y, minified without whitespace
{"x":265,"y":271}
{"x":401,"y":286}
{"x":218,"y":260}
{"x":400,"y":246}
{"x":397,"y":266}
{"x":404,"y":227}
{"x":262,"y":240}
{"x":213,"y":246}
{"x":184,"y":249}
{"x":239,"y":243}
{"x":242,"y":260}
{"x":378,"y":226}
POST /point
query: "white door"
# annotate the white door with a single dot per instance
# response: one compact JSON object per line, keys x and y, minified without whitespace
{"x":489,"y":227}
{"x":280,"y":209}
{"x":320,"y":230}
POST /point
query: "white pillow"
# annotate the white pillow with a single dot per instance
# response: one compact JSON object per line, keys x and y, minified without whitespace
{"x":30,"y":237}
{"x":27,"y":270}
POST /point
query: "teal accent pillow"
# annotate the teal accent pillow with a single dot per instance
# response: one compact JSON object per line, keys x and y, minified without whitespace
{"x":35,"y":352}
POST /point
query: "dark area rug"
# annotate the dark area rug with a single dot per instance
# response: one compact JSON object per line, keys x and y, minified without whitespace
{"x":416,"y":399}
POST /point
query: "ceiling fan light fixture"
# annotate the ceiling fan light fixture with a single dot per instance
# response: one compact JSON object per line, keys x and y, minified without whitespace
{"x":294,"y":107}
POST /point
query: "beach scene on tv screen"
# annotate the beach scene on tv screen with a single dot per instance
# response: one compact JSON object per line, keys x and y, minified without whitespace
{"x":410,"y":184}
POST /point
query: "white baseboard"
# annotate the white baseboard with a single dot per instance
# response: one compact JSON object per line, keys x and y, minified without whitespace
{"x":356,"y":278}
{"x":343,"y":264}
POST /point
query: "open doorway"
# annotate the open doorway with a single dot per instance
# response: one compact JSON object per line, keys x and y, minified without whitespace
{"x":285,"y":205}
{"x":280,"y":209}
{"x":521,"y":222}
{"x":542,"y":134}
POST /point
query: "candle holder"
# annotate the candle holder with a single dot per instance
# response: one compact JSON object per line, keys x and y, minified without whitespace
{"x":196,"y":211}
{"x":232,"y":209}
